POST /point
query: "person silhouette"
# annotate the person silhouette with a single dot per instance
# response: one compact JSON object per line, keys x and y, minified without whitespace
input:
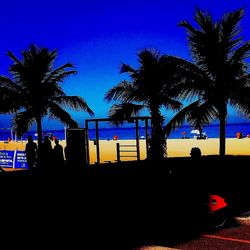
{"x":31,"y":152}
{"x":58,"y":154}
{"x":195,"y":153}
{"x":46,"y":152}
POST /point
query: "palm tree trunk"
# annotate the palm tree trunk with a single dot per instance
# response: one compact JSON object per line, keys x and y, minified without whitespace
{"x":158,"y":145}
{"x":222,"y":118}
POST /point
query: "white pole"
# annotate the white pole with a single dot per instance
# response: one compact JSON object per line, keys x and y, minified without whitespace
{"x":11,"y":134}
{"x":14,"y":159}
{"x":65,"y":133}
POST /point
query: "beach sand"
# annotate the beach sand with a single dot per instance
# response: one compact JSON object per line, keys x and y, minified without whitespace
{"x":175,"y":148}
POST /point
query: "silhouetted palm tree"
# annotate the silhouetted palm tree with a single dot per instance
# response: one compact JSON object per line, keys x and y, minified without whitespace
{"x":153,"y":86}
{"x":221,"y":77}
{"x":34,"y":91}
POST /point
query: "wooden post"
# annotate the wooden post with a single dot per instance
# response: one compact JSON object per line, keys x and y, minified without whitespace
{"x":97,"y":142}
{"x":147,"y":137}
{"x":137,"y":139}
{"x":87,"y":142}
{"x":118,"y":152}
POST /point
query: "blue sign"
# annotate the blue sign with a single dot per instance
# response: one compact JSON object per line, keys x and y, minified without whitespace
{"x":6,"y":158}
{"x":20,"y":160}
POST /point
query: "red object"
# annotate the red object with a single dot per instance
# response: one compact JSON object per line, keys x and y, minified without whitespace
{"x":239,"y":135}
{"x":216,"y":203}
{"x":115,"y":137}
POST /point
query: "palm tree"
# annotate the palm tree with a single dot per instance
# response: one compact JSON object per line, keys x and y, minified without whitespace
{"x":34,"y":91}
{"x":221,"y":76}
{"x":153,"y":85}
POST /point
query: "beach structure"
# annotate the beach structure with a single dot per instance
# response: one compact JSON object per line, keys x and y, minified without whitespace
{"x":135,"y":148}
{"x":75,"y":149}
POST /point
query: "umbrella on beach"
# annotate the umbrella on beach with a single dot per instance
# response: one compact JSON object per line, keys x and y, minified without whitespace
{"x":195,"y":131}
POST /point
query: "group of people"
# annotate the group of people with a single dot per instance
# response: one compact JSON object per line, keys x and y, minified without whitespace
{"x":49,"y":156}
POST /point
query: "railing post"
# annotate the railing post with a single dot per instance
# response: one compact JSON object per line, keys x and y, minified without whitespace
{"x":118,"y":152}
{"x":97,"y":142}
{"x":137,"y":139}
{"x":87,"y":142}
{"x":147,"y":137}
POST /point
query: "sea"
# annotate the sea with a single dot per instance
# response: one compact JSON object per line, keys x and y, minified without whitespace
{"x":126,"y":133}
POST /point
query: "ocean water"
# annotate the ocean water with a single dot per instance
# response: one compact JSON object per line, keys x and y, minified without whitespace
{"x":122,"y":133}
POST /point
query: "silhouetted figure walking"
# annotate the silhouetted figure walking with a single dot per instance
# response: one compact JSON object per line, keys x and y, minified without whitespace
{"x":58,"y":154}
{"x":46,"y":152}
{"x":31,"y":152}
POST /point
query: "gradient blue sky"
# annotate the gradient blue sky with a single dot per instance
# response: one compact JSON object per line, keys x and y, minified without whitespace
{"x":97,"y":36}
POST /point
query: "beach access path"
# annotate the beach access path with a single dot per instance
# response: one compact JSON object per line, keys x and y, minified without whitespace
{"x":175,"y":147}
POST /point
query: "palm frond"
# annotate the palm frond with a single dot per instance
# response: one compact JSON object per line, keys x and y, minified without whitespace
{"x":230,"y":30}
{"x":187,"y":80}
{"x":60,"y":71}
{"x":203,"y":114}
{"x":51,"y":90}
{"x":125,"y":68}
{"x":188,"y":26}
{"x":121,"y":92}
{"x":56,"y":112}
{"x":240,"y":101}
{"x":124,"y":111}
{"x":197,"y":115}
{"x":13,"y":57}
{"x":204,"y":20}
{"x":180,"y":117}
{"x":75,"y":102}
{"x":239,"y":55}
{"x":10,"y":102}
{"x":204,"y":43}
{"x":22,"y":122}
{"x":60,"y":77}
{"x":8,"y":84}
{"x":172,"y":104}
{"x":243,"y":107}
{"x":148,"y":57}
{"x":10,"y":95}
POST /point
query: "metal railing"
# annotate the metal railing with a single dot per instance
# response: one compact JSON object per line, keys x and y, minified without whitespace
{"x":127,"y":149}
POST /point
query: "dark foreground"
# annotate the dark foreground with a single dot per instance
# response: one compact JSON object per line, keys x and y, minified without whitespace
{"x":234,"y":237}
{"x":119,"y":206}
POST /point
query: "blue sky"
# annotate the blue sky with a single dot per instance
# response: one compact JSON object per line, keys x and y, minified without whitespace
{"x":97,"y":36}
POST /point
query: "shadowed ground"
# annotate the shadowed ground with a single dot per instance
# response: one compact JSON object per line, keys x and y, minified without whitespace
{"x":121,"y":206}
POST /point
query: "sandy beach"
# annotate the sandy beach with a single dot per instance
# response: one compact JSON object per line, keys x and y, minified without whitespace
{"x":175,"y":147}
